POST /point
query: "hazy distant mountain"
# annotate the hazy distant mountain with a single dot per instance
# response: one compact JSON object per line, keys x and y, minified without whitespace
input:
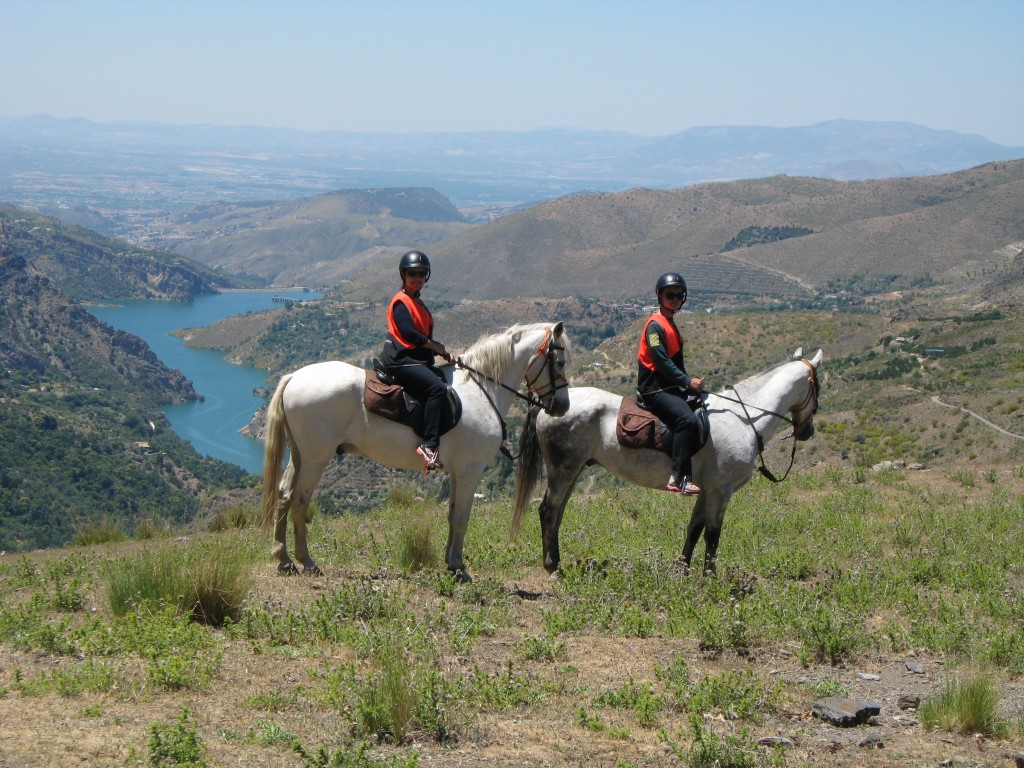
{"x":112,"y":175}
{"x":839,"y":149}
{"x":319,"y":240}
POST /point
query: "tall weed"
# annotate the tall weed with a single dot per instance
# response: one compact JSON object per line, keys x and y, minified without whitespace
{"x":209,"y":583}
{"x":965,"y":706}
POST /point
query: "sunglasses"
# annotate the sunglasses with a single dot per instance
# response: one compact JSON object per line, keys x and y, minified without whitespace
{"x":674,"y":295}
{"x":415,"y":273}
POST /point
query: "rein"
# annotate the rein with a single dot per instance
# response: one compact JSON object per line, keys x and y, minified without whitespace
{"x":812,"y":395}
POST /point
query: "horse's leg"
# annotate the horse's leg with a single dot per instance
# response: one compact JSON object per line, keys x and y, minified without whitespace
{"x":698,"y":519}
{"x":552,"y":507}
{"x":285,"y":566}
{"x":307,"y":478}
{"x":460,"y":504}
{"x":713,"y":530}
{"x":301,"y":550}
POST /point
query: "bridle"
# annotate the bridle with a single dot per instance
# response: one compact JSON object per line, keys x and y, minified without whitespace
{"x":556,"y":380}
{"x":799,"y":426}
{"x":540,"y":398}
{"x":811,"y":400}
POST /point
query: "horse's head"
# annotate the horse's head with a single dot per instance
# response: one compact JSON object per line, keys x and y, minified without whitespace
{"x":803,"y":412}
{"x":545,"y":375}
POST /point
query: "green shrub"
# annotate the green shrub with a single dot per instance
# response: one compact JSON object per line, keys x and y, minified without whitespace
{"x":175,"y":745}
{"x":387,"y":704}
{"x":351,"y":756}
{"x":104,"y":531}
{"x":708,"y":750}
{"x":236,"y":517}
{"x":541,"y":649}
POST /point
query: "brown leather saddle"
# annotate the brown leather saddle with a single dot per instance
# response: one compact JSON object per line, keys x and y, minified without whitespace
{"x":636,"y":427}
{"x":384,"y":397}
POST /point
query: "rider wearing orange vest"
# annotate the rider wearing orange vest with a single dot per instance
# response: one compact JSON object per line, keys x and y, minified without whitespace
{"x":409,"y":350}
{"x":662,"y":380}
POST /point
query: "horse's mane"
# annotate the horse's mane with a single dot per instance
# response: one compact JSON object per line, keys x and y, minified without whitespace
{"x":747,"y":380}
{"x":491,"y":355}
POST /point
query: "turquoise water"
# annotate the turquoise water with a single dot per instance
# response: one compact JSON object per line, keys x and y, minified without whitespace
{"x":229,"y":403}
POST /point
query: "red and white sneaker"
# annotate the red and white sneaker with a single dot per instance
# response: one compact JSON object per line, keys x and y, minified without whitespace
{"x":686,"y":487}
{"x":431,"y":458}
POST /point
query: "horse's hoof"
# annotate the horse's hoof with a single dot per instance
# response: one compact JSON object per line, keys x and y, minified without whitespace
{"x":287,"y":569}
{"x":555,"y":575}
{"x":312,"y":570}
{"x":681,"y":566}
{"x":462,"y":577}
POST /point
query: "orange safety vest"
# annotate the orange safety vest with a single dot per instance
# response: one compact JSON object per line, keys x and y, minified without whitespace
{"x":673,"y":340}
{"x":421,"y":318}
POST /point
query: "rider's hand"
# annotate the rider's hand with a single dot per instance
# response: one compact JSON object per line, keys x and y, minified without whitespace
{"x":438,"y":348}
{"x":696,"y":383}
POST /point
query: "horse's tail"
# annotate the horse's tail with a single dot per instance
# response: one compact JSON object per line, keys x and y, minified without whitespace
{"x":273,"y":452}
{"x":528,"y":468}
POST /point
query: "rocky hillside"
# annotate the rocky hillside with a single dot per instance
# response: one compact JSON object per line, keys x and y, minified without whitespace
{"x":91,"y":267}
{"x":1007,"y":288}
{"x":45,"y":334}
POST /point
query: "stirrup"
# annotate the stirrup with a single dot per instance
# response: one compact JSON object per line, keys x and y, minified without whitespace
{"x":431,"y":458}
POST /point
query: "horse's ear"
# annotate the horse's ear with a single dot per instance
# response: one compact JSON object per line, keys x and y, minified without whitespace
{"x":558,"y":329}
{"x":799,"y":353}
{"x":816,"y":360}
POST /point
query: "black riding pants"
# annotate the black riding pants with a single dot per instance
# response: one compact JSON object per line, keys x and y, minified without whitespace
{"x":427,"y":385}
{"x":680,"y":418}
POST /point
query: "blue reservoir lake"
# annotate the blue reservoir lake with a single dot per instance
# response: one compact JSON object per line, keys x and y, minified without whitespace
{"x":210,"y":425}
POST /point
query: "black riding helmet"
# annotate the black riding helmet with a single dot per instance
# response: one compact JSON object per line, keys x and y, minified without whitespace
{"x":668,"y":280}
{"x":414,"y":260}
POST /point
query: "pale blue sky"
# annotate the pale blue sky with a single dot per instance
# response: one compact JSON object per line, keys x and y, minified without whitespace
{"x":653,"y":67}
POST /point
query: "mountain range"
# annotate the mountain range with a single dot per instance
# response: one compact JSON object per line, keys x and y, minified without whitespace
{"x":777,"y":238}
{"x":110,"y":176}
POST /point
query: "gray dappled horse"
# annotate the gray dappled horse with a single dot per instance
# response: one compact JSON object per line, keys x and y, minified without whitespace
{"x":742,"y":418}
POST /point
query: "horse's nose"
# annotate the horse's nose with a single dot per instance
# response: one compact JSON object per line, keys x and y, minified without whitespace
{"x":557,"y":408}
{"x":806,"y":432}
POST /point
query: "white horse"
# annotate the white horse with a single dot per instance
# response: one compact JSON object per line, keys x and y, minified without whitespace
{"x":320,"y":410}
{"x":741,"y":418}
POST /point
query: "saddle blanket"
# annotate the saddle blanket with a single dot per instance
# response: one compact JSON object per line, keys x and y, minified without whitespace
{"x":637,"y":427}
{"x":395,"y":404}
